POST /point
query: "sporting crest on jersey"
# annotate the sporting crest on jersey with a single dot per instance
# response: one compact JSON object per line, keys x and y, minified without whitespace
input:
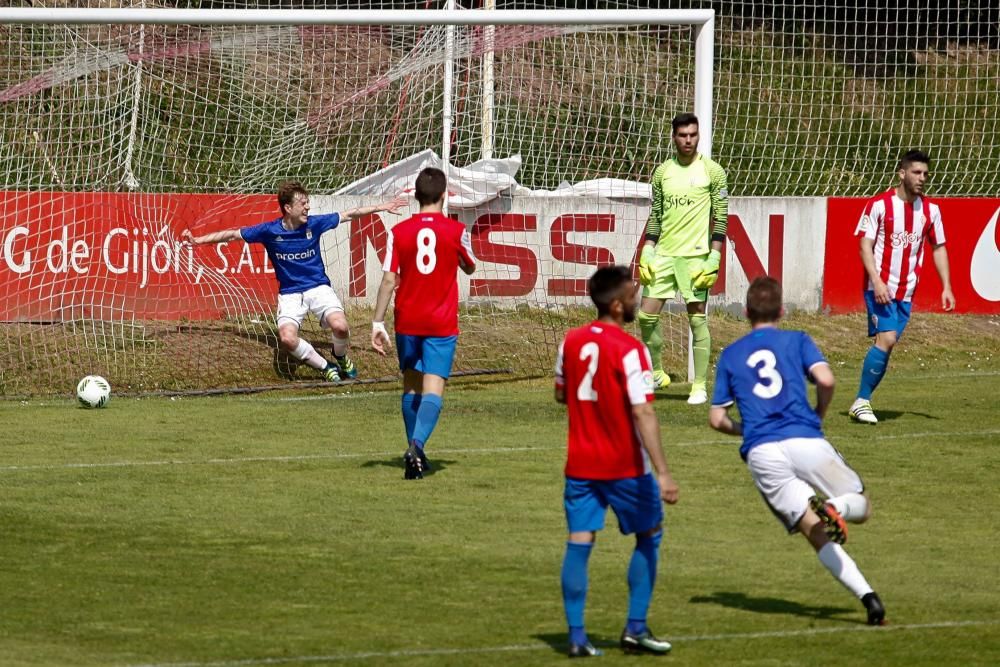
{"x":309,"y":234}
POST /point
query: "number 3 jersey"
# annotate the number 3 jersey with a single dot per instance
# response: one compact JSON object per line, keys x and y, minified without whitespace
{"x":424,"y":251}
{"x":764,"y":374}
{"x":604,"y":372}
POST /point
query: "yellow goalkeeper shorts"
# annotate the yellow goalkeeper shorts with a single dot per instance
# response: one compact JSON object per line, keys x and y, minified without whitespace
{"x":672,"y":275}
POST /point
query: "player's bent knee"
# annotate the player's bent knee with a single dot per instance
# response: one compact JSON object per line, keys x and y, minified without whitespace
{"x":886,"y":340}
{"x":338,"y":327}
{"x":288,"y":339}
{"x":658,"y":528}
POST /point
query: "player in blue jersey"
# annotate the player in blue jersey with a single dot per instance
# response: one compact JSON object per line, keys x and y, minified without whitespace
{"x":763,"y":374}
{"x":292,"y":244}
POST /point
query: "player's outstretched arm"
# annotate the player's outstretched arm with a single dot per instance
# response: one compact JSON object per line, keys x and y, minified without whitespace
{"x":719,"y":419}
{"x":394,"y":205}
{"x":648,"y":426}
{"x":944,"y":272}
{"x":224,"y":236}
{"x":380,"y":337}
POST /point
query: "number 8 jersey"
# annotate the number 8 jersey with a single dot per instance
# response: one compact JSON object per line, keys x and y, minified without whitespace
{"x":764,"y":374}
{"x":604,"y":372}
{"x":424,"y":251}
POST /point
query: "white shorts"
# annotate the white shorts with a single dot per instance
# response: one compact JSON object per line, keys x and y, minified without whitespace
{"x":790,"y":472}
{"x":318,"y":301}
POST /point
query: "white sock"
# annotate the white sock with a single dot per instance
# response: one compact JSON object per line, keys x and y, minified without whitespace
{"x":307,"y":353}
{"x":852,"y":506}
{"x":340,"y":346}
{"x":844,"y":569}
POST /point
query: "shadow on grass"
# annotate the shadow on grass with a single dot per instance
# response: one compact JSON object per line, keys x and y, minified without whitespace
{"x":774,"y":606}
{"x":559,"y":641}
{"x":669,"y":397}
{"x":437,"y":465}
{"x":889,"y":415}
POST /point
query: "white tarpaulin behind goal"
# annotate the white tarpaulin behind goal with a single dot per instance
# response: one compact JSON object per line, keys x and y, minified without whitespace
{"x":486,"y":180}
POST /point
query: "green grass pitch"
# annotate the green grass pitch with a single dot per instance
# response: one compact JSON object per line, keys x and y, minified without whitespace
{"x":277,"y":530}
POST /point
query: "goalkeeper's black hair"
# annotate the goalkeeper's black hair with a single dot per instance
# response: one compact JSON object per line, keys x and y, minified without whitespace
{"x":430,"y":186}
{"x":683,"y":120}
{"x":764,"y":300}
{"x":606,"y":285}
{"x":911,"y":156}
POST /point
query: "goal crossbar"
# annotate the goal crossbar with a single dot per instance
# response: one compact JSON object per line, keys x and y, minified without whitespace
{"x":178,"y":16}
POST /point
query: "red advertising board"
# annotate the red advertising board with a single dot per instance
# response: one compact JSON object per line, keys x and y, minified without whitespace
{"x":115,"y":256}
{"x":970,"y":227}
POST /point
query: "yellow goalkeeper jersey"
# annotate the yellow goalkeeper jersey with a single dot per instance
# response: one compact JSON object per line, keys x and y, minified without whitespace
{"x":687,"y":199}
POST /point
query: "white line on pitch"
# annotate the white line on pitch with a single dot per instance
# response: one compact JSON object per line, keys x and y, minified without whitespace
{"x":413,"y":653}
{"x":479,"y":450}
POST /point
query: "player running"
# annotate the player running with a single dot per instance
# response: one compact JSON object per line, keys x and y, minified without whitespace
{"x":292,"y":244}
{"x":604,"y":376}
{"x":423,"y":256}
{"x":684,"y":237}
{"x":892,"y":231}
{"x":791,"y":463}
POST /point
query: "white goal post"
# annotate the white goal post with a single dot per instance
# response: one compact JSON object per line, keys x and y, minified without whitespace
{"x":121,"y":126}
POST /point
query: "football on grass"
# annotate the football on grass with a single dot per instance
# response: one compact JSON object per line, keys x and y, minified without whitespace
{"x":93,"y":391}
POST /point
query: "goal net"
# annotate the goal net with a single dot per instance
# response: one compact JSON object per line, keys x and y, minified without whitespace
{"x":119,"y":135}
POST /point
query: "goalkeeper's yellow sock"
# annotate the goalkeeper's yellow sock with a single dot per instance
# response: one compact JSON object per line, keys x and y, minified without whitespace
{"x":649,"y":326}
{"x":701,"y":345}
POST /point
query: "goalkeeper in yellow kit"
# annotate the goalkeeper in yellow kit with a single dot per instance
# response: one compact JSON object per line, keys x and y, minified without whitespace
{"x":684,"y":237}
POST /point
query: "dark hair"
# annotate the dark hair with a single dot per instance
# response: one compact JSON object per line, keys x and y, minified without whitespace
{"x":287,"y":191}
{"x":911,"y":156}
{"x":606,"y":285}
{"x":764,"y":300}
{"x":431,"y":184}
{"x":682,"y":120}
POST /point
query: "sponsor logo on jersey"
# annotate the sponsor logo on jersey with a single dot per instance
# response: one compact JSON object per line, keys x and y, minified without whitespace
{"x":295,"y":255}
{"x":676,"y":201}
{"x":903,"y":239}
{"x":279,"y":239}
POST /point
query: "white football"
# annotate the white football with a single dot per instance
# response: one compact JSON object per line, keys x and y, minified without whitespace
{"x":93,"y":391}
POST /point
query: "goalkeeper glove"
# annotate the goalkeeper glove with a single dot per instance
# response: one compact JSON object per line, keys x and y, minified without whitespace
{"x":709,"y":273}
{"x":646,"y":265}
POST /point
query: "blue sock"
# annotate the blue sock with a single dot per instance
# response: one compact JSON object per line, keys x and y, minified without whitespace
{"x":574,"y":588}
{"x":872,"y":371}
{"x":427,"y":418}
{"x":641,"y":579}
{"x":410,"y":404}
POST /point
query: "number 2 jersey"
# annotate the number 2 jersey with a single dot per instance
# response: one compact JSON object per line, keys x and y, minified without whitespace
{"x":604,"y":372}
{"x":424,"y":251}
{"x":764,"y":374}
